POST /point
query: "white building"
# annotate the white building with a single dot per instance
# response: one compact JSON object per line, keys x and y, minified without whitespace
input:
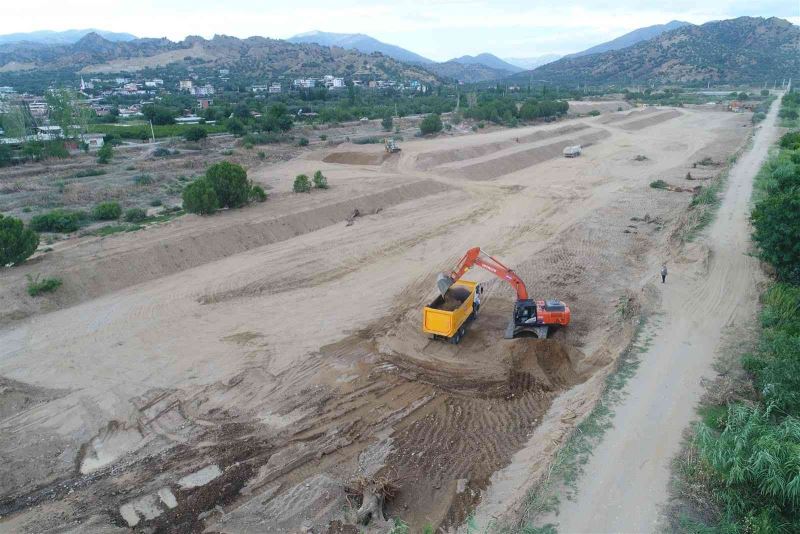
{"x":186,"y":85}
{"x":305,"y":83}
{"x":275,"y":88}
{"x":203,"y":90}
{"x":260,"y":88}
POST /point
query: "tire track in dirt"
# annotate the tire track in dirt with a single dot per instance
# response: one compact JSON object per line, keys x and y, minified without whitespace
{"x":640,"y":124}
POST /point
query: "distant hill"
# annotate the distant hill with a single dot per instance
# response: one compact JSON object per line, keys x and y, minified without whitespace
{"x":467,"y":72}
{"x":630,"y":39}
{"x":745,"y":49}
{"x":255,"y":58}
{"x":488,"y":60}
{"x":362,"y":43}
{"x":527,"y":63}
{"x":65,"y":37}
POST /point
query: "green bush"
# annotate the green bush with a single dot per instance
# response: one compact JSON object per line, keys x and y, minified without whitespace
{"x":17,"y":243}
{"x":257,"y":194}
{"x":370,"y":140}
{"x":387,"y":123}
{"x":135,"y":215}
{"x":156,"y":202}
{"x":58,"y":220}
{"x":658,"y":184}
{"x":431,"y":124}
{"x":143,"y":179}
{"x":230,"y":184}
{"x":776,"y":223}
{"x":195,"y":133}
{"x":790,"y":140}
{"x":47,"y":285}
{"x":302,"y":142}
{"x":199,"y":197}
{"x":302,"y":184}
{"x":594,"y":113}
{"x":107,"y":211}
{"x":162,"y":152}
{"x":105,"y":154}
{"x":320,"y":181}
{"x":89,"y":172}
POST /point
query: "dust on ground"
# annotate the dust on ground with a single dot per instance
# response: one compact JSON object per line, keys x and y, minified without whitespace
{"x":238,"y":372}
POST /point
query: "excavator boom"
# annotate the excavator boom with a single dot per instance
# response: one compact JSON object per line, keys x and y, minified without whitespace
{"x":475,"y":256}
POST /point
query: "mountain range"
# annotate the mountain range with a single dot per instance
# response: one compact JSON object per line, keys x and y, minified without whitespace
{"x":745,"y":49}
{"x":254,"y":59}
{"x":362,"y":43}
{"x":632,"y":38}
{"x":63,"y":37}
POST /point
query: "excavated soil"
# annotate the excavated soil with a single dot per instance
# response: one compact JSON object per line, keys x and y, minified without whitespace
{"x":639,"y":124}
{"x":358,"y":158}
{"x":237,"y":373}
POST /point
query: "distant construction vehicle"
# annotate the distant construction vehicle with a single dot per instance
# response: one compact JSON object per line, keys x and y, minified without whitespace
{"x":572,"y":151}
{"x":391,"y":146}
{"x":533,"y":316}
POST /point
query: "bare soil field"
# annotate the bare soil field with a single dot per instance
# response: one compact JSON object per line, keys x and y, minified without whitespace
{"x":264,"y":369}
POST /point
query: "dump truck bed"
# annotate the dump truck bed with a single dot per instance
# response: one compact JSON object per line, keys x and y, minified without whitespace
{"x":445,"y":316}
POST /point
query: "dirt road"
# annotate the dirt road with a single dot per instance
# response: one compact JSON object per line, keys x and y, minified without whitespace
{"x":625,"y":482}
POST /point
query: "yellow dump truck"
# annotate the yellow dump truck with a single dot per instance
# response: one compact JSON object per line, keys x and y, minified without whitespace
{"x":447,"y":316}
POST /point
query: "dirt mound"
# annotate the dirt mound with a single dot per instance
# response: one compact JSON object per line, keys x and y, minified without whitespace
{"x":521,"y":159}
{"x":427,"y":160}
{"x":105,"y":271}
{"x":626,"y":116}
{"x":356,"y":158}
{"x":650,"y":121}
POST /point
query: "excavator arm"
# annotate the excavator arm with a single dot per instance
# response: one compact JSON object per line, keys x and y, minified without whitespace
{"x":475,"y":256}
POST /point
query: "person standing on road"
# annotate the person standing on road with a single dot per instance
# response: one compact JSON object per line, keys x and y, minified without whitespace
{"x":663,"y":273}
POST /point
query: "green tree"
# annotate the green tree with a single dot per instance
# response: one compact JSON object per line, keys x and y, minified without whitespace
{"x":431,"y":124}
{"x":229,"y":181}
{"x":13,"y":122}
{"x":776,"y":223}
{"x":135,"y":215}
{"x":105,"y":154}
{"x":63,"y":109}
{"x":107,"y":211}
{"x":17,"y":243}
{"x":387,"y":123}
{"x":302,"y":184}
{"x":235,"y":126}
{"x":159,"y":115}
{"x":195,"y":133}
{"x":320,"y":182}
{"x":199,"y":197}
{"x":257,"y":194}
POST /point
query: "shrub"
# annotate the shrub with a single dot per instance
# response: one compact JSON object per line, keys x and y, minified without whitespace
{"x":658,"y":184}
{"x":790,"y":140}
{"x":257,"y":194}
{"x":105,"y":154}
{"x":135,"y":215}
{"x":89,"y":172}
{"x":302,"y":142}
{"x":107,"y":211}
{"x":302,"y":184}
{"x":323,"y":137}
{"x":431,"y":124}
{"x":36,"y":287}
{"x":235,"y":127}
{"x":59,"y":220}
{"x":262,"y":155}
{"x":230,"y":184}
{"x":199,"y":197}
{"x":594,"y":113}
{"x":143,"y":179}
{"x":195,"y":133}
{"x":17,"y":243}
{"x":320,"y":182}
{"x":162,"y":152}
{"x":371,"y":140}
{"x":155,"y":202}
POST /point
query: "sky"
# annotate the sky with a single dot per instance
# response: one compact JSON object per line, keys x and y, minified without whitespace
{"x":437,"y":29}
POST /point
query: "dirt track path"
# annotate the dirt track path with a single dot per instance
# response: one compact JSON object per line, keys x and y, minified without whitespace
{"x":627,"y":477}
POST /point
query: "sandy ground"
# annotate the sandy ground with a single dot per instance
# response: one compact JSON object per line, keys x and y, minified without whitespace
{"x":236,"y":372}
{"x":627,"y":478}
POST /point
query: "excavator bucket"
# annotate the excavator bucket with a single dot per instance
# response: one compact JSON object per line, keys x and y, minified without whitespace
{"x":443,"y":283}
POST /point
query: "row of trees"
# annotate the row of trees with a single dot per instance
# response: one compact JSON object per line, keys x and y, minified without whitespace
{"x":506,"y":110}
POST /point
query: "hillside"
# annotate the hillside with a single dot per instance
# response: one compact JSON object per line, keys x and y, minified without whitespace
{"x":362,"y":43}
{"x":527,"y":63}
{"x":252,"y":58}
{"x":746,"y":49}
{"x":631,"y":38}
{"x":65,"y":37}
{"x":467,"y":72}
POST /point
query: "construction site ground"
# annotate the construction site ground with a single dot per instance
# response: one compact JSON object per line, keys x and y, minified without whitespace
{"x":236,"y":373}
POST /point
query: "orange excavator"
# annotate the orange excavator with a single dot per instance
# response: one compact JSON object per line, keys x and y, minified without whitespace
{"x":535,"y":316}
